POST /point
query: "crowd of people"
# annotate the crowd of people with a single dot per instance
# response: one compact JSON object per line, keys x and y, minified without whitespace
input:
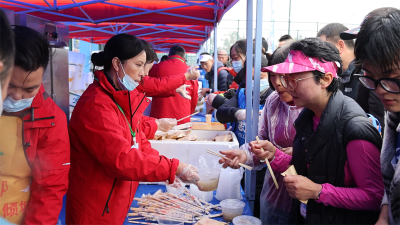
{"x":329,"y":106}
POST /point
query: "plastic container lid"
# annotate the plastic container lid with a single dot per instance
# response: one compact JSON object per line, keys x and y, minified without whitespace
{"x":232,"y":204}
{"x":246,"y":220}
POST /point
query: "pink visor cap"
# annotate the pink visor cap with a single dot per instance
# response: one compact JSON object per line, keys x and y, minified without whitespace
{"x":297,"y":62}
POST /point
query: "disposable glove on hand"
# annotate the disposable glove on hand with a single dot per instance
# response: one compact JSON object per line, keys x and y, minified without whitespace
{"x":210,"y":98}
{"x":177,"y":183}
{"x":240,"y":114}
{"x":183,"y":92}
{"x":192,"y":73}
{"x":165,"y":124}
{"x":189,"y":174}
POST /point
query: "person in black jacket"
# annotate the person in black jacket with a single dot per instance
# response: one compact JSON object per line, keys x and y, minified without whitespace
{"x":224,"y":77}
{"x":228,"y":108}
{"x":336,"y":148}
{"x":350,"y":86}
{"x":377,"y":51}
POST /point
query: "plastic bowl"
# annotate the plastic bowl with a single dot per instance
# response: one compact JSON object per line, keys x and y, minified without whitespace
{"x":203,"y":195}
{"x":209,"y":179}
{"x":169,"y":222}
{"x":173,"y":190}
{"x":231,"y":208}
{"x":246,"y":220}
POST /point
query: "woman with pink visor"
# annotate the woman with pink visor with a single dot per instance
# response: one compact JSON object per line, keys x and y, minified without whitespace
{"x":336,"y":148}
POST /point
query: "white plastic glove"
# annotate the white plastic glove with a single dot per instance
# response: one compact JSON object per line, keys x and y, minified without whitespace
{"x":165,"y":124}
{"x":192,"y":73}
{"x":183,"y":92}
{"x":210,"y":98}
{"x":177,"y":183}
{"x":240,"y":114}
{"x":189,"y":174}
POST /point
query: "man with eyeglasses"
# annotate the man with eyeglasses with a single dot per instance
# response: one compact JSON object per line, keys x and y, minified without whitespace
{"x":377,"y":51}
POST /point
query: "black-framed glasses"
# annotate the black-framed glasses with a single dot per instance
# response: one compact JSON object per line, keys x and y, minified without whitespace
{"x":388,"y":84}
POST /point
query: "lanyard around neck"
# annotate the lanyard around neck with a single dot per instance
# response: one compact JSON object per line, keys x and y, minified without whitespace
{"x":120,"y":109}
{"x":178,"y":58}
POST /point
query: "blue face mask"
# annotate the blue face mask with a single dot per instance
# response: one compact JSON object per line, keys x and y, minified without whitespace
{"x":127,"y":83}
{"x":264,"y":84}
{"x":11,"y":105}
{"x":237,"y":65}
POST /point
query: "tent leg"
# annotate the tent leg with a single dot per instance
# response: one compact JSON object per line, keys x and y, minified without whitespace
{"x":250,"y":180}
{"x":215,"y":59}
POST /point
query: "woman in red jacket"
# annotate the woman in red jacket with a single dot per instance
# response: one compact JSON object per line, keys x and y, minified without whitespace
{"x":109,"y":151}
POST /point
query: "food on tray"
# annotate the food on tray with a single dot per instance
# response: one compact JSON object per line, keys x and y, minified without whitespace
{"x":208,"y":221}
{"x":188,"y":138}
{"x":184,"y":135}
{"x":223,"y":138}
{"x":175,"y":134}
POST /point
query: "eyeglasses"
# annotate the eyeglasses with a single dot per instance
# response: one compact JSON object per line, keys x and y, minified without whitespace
{"x":291,"y":83}
{"x":388,"y":84}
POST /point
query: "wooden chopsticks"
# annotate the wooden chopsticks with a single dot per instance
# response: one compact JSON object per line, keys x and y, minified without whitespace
{"x":187,"y":116}
{"x":269,"y":166}
{"x":222,"y":156}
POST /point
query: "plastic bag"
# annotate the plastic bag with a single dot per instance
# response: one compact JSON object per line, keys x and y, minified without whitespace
{"x":229,"y":184}
{"x":209,"y":173}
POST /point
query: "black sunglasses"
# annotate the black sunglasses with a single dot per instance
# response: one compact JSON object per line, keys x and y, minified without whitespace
{"x":388,"y":84}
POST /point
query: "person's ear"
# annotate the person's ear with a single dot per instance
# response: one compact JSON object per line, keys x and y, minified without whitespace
{"x":341,"y":46}
{"x":326,"y":80}
{"x":115,"y":63}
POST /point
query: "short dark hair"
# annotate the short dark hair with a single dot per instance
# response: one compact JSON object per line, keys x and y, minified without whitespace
{"x":205,"y":53}
{"x":285,"y":38}
{"x":378,"y":41}
{"x":151,"y":55}
{"x":7,"y":47}
{"x":325,"y":52}
{"x":279,"y":56}
{"x":264,"y":44}
{"x":163,"y":58}
{"x":122,"y":46}
{"x":240,"y":47}
{"x":177,"y":50}
{"x":32,"y":49}
{"x":332,"y":32}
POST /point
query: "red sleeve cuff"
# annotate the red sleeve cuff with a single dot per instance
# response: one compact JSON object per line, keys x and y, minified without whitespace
{"x":174,"y":167}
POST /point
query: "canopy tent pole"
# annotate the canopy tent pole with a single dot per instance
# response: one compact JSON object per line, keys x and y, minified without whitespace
{"x":215,"y":60}
{"x":250,"y":179}
{"x":257,"y":68}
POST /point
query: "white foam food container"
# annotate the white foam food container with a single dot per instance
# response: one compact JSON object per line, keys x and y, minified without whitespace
{"x":190,"y":151}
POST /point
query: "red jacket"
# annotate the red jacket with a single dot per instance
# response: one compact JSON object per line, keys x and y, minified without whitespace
{"x":175,"y":106}
{"x":162,"y":86}
{"x":103,"y":163}
{"x":49,"y":156}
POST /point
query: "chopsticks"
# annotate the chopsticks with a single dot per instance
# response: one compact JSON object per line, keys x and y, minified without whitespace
{"x":222,"y":156}
{"x":187,"y":116}
{"x":269,"y":166}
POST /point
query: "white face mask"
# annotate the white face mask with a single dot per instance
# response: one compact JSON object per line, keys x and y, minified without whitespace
{"x":237,"y":65}
{"x":11,"y":105}
{"x":127,"y":83}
